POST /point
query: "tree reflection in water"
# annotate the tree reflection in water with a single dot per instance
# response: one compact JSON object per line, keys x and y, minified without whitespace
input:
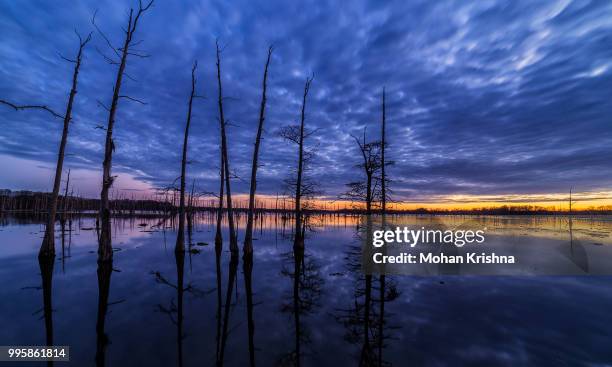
{"x":305,"y":296}
{"x":46,"y":272}
{"x":366,"y":325}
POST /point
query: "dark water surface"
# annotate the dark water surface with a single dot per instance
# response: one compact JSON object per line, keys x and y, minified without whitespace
{"x":139,"y":314}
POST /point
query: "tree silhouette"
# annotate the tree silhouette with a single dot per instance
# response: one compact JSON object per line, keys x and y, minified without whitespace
{"x":180,"y":240}
{"x":248,"y":236}
{"x":301,"y":187}
{"x":47,"y":248}
{"x":105,"y":251}
{"x":225,"y":160}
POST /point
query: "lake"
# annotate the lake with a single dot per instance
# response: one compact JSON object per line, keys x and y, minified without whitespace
{"x":139,"y":313}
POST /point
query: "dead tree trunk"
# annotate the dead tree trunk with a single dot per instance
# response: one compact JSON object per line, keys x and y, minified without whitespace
{"x":299,"y":240}
{"x":382,"y":279}
{"x":248,"y":237}
{"x":47,"y":248}
{"x":189,"y":214}
{"x":369,"y":193}
{"x":65,"y":206}
{"x":218,"y":234}
{"x":105,"y":251}
{"x":383,"y":177}
{"x":180,"y":239}
{"x":225,"y":158}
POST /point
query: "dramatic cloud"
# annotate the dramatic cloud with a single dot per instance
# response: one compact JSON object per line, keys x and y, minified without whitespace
{"x":485,"y":98}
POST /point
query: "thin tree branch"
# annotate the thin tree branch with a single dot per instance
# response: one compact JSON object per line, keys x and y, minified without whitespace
{"x":133,"y":99}
{"x":108,"y":42}
{"x":25,"y":107}
{"x":102,"y":105}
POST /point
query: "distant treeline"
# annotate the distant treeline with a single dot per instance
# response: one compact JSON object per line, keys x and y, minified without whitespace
{"x":36,"y":202}
{"x":510,"y":210}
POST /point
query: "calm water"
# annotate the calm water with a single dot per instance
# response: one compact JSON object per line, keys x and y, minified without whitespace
{"x":140,"y":314}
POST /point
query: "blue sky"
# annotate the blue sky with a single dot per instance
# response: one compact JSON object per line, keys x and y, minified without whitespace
{"x":484,"y":98}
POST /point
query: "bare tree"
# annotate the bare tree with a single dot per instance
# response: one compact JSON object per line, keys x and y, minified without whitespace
{"x":248,"y":237}
{"x":225,"y":159}
{"x":47,"y":248}
{"x":368,"y":190}
{"x":299,"y":238}
{"x":105,"y":251}
{"x":180,"y":239}
{"x":300,"y":185}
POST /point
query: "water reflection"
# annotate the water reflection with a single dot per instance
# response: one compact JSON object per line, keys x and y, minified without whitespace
{"x":331,"y":314}
{"x":46,"y":272}
{"x":577,"y":253}
{"x":248,"y":287}
{"x":303,"y":300}
{"x":105,"y":270}
{"x":233,"y":267}
{"x":365,"y":320}
{"x":218,"y":250}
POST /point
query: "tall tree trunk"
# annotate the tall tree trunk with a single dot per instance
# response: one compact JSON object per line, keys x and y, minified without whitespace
{"x":105,"y":250}
{"x":299,"y":241}
{"x":180,"y":239}
{"x":368,"y":193}
{"x":230,"y":214}
{"x":218,"y":234}
{"x":47,"y":248}
{"x":248,"y":237}
{"x":382,"y":278}
{"x":382,"y":157}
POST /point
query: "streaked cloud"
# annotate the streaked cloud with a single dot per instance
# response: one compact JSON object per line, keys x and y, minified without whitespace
{"x":485,"y":98}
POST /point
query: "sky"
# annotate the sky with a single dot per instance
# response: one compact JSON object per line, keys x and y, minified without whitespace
{"x":487,"y":102}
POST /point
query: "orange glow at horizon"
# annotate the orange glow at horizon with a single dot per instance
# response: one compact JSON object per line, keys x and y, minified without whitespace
{"x":558,"y":201}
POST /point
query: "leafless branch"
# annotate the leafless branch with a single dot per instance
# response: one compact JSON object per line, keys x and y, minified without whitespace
{"x":106,"y":58}
{"x":137,"y":54}
{"x":133,"y":99}
{"x":108,"y":42}
{"x":65,"y":58}
{"x":25,"y":107}
{"x":82,"y":42}
{"x":130,"y":77}
{"x":102,"y":105}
